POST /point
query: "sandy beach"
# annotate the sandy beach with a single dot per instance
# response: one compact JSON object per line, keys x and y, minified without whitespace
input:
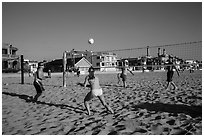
{"x":144,"y":108}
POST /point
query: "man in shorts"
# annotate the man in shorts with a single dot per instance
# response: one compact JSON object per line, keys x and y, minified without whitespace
{"x":38,"y":77}
{"x":96,"y":91}
{"x":123,"y":74}
{"x":170,"y":72}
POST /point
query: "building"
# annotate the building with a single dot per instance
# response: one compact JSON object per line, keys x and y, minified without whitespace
{"x":105,"y":61}
{"x":33,"y":65}
{"x":102,"y":61}
{"x":57,"y":65}
{"x":83,"y":65}
{"x":30,"y":65}
{"x":74,"y":54}
{"x":148,"y":62}
{"x":10,"y":59}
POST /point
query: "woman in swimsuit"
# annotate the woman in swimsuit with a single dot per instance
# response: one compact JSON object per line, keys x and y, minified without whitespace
{"x":96,"y":91}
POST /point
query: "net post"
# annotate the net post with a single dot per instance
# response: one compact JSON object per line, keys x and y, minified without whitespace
{"x":64,"y":68}
{"x":22,"y":70}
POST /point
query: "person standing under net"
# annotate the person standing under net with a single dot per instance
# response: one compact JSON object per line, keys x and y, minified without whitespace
{"x":170,"y":72}
{"x":123,"y":74}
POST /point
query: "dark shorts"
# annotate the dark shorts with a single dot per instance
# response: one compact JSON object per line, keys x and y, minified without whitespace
{"x":124,"y":77}
{"x":38,"y":86}
{"x":170,"y":75}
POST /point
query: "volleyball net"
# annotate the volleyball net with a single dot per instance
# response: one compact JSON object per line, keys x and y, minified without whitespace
{"x":185,"y":51}
{"x":186,"y":55}
{"x":145,"y":58}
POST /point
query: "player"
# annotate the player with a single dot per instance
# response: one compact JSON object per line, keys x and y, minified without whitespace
{"x":123,"y":74}
{"x":38,"y":77}
{"x":170,"y":72}
{"x":96,"y":91}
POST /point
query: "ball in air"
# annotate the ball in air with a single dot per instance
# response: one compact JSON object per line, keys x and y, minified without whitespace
{"x":91,"y":41}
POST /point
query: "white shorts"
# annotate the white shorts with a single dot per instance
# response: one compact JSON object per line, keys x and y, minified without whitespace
{"x":97,"y":92}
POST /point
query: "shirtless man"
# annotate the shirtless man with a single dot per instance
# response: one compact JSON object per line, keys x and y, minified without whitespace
{"x":96,"y":90}
{"x":170,"y":72}
{"x":38,"y":77}
{"x":123,"y":74}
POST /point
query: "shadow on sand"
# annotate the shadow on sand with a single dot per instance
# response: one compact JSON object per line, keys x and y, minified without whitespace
{"x":29,"y":99}
{"x":33,"y":85}
{"x":193,"y":111}
{"x":82,"y":84}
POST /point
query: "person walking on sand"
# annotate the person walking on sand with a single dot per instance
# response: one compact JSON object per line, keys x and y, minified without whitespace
{"x":49,"y":73}
{"x":38,"y":77}
{"x":78,"y":72}
{"x":123,"y":74}
{"x":170,"y":72}
{"x":96,"y":91}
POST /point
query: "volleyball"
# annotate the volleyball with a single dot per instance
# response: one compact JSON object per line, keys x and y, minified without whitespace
{"x":91,"y":41}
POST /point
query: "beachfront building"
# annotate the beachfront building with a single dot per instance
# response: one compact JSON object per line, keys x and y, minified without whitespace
{"x":74,"y":54}
{"x":102,"y":61}
{"x":30,"y":65}
{"x":33,"y":65}
{"x":10,"y":59}
{"x":83,"y":65}
{"x":148,"y":62}
{"x":139,"y":63}
{"x":105,"y":61}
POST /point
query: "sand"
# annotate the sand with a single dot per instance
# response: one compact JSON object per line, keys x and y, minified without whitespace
{"x":144,"y":108}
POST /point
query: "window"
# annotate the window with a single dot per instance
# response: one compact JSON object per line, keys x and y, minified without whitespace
{"x":107,"y":58}
{"x":34,"y":65}
{"x":102,"y":64}
{"x":102,"y":58}
{"x":5,"y":65}
{"x":110,"y":58}
{"x":13,"y":52}
{"x":98,"y":57}
{"x":4,"y":51}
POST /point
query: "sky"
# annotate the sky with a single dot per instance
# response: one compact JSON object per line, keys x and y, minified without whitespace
{"x":43,"y":31}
